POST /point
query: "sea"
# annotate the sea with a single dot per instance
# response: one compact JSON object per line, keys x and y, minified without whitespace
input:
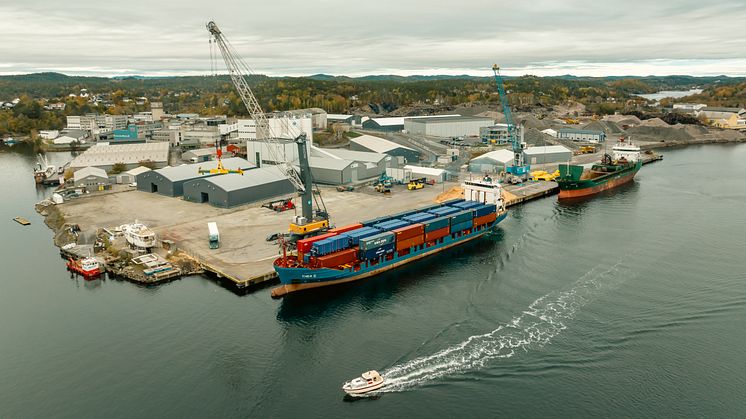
{"x":673,"y":94}
{"x":628,"y":304}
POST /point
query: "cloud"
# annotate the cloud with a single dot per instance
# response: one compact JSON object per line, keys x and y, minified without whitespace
{"x":403,"y":37}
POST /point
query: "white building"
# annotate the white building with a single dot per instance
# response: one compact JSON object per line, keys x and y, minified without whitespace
{"x":49,"y":134}
{"x":287,"y":126}
{"x":456,"y":126}
{"x":689,"y":107}
{"x":551,"y":132}
{"x":94,"y":123}
{"x":430,"y":173}
{"x":492,"y":162}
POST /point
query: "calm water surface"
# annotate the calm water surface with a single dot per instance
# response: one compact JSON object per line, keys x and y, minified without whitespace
{"x":630,"y":304}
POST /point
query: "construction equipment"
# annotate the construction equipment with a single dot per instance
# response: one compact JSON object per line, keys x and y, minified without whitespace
{"x":280,"y":205}
{"x":416,"y":184}
{"x":571,"y":121}
{"x":219,"y":170}
{"x":380,"y":187}
{"x":310,"y":221}
{"x":544,"y":175}
{"x":518,"y":172}
{"x":587,"y":149}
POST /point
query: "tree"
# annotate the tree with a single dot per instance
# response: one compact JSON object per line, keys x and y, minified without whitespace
{"x":118,"y":168}
{"x":147,"y":163}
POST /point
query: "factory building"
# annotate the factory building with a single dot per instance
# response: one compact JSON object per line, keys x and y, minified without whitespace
{"x":494,"y":134}
{"x":379,"y":145}
{"x":394,"y":124}
{"x":130,"y":176}
{"x":452,"y":126}
{"x":492,"y":162}
{"x":198,"y":155}
{"x":329,"y":171}
{"x":170,"y":181}
{"x":92,"y":178}
{"x":430,"y":173}
{"x":105,"y":156}
{"x":547,"y":154}
{"x":591,"y":136}
{"x":371,"y":165}
{"x":231,"y":190}
{"x":282,"y":125}
{"x":336,"y":118}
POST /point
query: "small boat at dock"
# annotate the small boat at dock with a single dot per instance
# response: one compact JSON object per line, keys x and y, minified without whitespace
{"x":367,"y":382}
{"x":87,"y":267}
{"x":22,"y":221}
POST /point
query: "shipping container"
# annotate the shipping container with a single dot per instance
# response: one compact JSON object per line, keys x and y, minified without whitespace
{"x":344,"y":229}
{"x":378,"y":240}
{"x":411,"y":242}
{"x":419,"y":217}
{"x":342,"y":257}
{"x":376,"y":221}
{"x":436,"y":234}
{"x":377,"y":252}
{"x":409,"y":231}
{"x":304,"y":245}
{"x":460,"y":217}
{"x":455,"y":228}
{"x":437,"y":224}
{"x":356,"y":235}
{"x":485,"y":219}
{"x":467,"y":204}
{"x":391,"y":225}
{"x":443,"y":211}
{"x":484,"y":209}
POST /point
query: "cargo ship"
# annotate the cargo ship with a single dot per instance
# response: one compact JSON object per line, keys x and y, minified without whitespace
{"x":362,"y":250}
{"x":576,"y":181}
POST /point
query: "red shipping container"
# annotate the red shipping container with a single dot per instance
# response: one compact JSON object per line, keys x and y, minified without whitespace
{"x":485,"y":219}
{"x":340,"y":230}
{"x":407,"y":243}
{"x":337,"y":258}
{"x":436,"y":234}
{"x":408,"y":232}
{"x":304,"y":245}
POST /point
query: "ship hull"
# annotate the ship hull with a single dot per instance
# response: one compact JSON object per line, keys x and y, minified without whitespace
{"x":299,"y":279}
{"x":583,"y":188}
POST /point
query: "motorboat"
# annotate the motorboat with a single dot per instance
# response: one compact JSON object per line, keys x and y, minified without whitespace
{"x":367,"y":382}
{"x":138,"y":235}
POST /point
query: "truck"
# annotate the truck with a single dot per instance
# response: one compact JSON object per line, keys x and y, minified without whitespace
{"x":214,"y":235}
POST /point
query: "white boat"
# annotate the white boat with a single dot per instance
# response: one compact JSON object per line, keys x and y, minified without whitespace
{"x":138,"y":235}
{"x":368,"y":381}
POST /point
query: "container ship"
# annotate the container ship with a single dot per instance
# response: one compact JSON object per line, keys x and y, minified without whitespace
{"x":576,"y":181}
{"x":362,"y":250}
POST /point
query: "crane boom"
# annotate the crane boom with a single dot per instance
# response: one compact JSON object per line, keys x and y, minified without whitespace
{"x":237,"y":69}
{"x":519,"y":168}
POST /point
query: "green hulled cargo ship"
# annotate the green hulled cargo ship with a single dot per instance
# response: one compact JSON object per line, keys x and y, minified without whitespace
{"x":576,"y":181}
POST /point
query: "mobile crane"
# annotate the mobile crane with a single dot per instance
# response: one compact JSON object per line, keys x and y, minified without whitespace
{"x":518,"y":172}
{"x":310,"y":222}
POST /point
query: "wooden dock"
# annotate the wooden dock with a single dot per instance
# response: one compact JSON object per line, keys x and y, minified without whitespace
{"x":241,"y":283}
{"x":22,"y":221}
{"x":530,"y":190}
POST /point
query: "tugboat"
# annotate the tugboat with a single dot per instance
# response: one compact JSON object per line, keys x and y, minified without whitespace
{"x":367,"y":382}
{"x":87,"y":267}
{"x":576,"y":182}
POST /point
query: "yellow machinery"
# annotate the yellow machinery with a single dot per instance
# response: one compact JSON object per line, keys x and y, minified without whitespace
{"x":414,"y":185}
{"x":587,"y":149}
{"x":219,"y":170}
{"x":571,"y":121}
{"x":544,"y":175}
{"x":303,"y":229}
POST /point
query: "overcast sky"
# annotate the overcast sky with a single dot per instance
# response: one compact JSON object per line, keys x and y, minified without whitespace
{"x":542,"y":37}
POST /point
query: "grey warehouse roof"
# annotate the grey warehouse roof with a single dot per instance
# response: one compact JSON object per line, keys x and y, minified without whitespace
{"x":191,"y":171}
{"x":254,"y":177}
{"x":377,"y":144}
{"x":444,"y":120}
{"x":362,"y":156}
{"x":108,"y":154}
{"x":546,"y":149}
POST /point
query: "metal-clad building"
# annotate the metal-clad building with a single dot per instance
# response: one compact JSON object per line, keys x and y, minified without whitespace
{"x":582,"y":135}
{"x":233,"y":189}
{"x":105,"y":156}
{"x":169,"y":181}
{"x":455,"y":126}
{"x":547,"y":154}
{"x":199,"y":154}
{"x":330,"y":171}
{"x":394,"y":124}
{"x":429,"y":173}
{"x":370,"y":165}
{"x":492,"y":162}
{"x":375,"y":144}
{"x":130,"y":176}
{"x":90,"y":177}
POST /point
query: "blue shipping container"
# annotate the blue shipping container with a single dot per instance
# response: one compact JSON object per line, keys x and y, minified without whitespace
{"x":378,"y":240}
{"x":467,"y":204}
{"x":485,"y":209}
{"x":437,"y":224}
{"x":377,"y":252}
{"x":455,"y":228}
{"x":444,"y":211}
{"x":356,"y":235}
{"x":460,"y":217}
{"x":419,"y":217}
{"x":391,"y":225}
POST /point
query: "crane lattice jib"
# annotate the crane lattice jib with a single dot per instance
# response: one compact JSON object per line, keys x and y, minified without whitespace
{"x":512,"y":135}
{"x":237,"y":69}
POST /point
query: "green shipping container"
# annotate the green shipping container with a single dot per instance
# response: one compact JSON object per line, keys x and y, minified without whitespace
{"x":436,"y":224}
{"x":376,"y":241}
{"x":462,"y":216}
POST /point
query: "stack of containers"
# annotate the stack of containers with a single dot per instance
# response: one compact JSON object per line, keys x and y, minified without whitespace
{"x":375,"y":246}
{"x":355,"y":235}
{"x":443,"y":211}
{"x":484,"y":214}
{"x":419,"y":217}
{"x":437,"y":228}
{"x":344,"y":229}
{"x":467,"y":204}
{"x":304,"y":245}
{"x":330,"y":245}
{"x":342,"y":257}
{"x":461,"y":221}
{"x":391,"y":225}
{"x":409,"y":236}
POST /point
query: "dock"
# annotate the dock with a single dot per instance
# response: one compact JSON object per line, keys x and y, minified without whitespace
{"x":22,"y":221}
{"x":527,"y":191}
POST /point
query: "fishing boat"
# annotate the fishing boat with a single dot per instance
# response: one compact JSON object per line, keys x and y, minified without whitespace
{"x":44,"y":171}
{"x":87,"y":267}
{"x":365,"y":249}
{"x":613,"y":171}
{"x":367,"y":382}
{"x":138,"y":235}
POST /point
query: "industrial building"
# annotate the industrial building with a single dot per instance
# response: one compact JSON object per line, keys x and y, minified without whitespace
{"x":130,"y":176}
{"x":382,"y":146}
{"x":336,"y":118}
{"x":394,"y":124}
{"x":329,"y":171}
{"x":105,"y":156}
{"x":199,"y":155}
{"x":454,"y":126}
{"x":92,"y":178}
{"x":492,"y":162}
{"x":592,"y":136}
{"x":170,"y":181}
{"x":494,"y":134}
{"x":430,"y":173}
{"x":371,"y":165}
{"x":281,"y":125}
{"x":230,"y":190}
{"x":547,"y":154}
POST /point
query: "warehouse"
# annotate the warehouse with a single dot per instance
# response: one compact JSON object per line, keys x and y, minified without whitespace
{"x":330,"y":171}
{"x":453,"y":126}
{"x":105,"y":156}
{"x":370,"y":164}
{"x":230,"y":190}
{"x":492,"y":162}
{"x":130,"y":176}
{"x":92,"y":178}
{"x":394,"y":124}
{"x":375,"y":144}
{"x":169,"y":181}
{"x":199,"y":155}
{"x":547,"y":154}
{"x":591,"y":136}
{"x":429,"y":173}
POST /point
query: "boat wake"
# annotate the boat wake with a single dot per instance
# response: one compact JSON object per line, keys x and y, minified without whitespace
{"x":544,"y":319}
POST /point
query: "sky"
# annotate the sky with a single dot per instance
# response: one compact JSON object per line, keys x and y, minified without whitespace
{"x":405,"y":37}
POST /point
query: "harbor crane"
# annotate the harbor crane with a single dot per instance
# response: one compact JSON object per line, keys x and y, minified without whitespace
{"x":310,"y":222}
{"x":518,"y":171}
{"x":219,"y":169}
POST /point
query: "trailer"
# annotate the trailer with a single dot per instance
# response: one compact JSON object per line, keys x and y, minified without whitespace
{"x":214,"y":235}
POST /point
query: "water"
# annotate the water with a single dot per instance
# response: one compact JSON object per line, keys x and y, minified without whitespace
{"x":631,"y":304}
{"x":673,"y":94}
